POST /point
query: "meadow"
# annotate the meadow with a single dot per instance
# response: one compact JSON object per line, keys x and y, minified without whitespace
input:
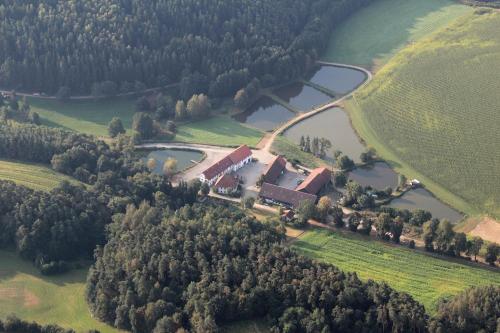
{"x":424,"y":277}
{"x":433,"y":111}
{"x":284,"y":147}
{"x":34,"y":176}
{"x":372,"y":35}
{"x":218,"y":130}
{"x":88,"y":116}
{"x":31,"y":296}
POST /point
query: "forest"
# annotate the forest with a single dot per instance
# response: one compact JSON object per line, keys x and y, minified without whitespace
{"x":112,"y":46}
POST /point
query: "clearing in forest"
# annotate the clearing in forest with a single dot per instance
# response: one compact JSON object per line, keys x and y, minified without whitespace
{"x":34,"y":176}
{"x":47,"y":300}
{"x":433,"y":111}
{"x":372,"y":35}
{"x":424,"y":277}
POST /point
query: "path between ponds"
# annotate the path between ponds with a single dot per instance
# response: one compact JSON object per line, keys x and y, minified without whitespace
{"x":267,"y":141}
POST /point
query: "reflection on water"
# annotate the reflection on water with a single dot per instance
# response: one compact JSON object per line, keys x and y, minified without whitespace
{"x":423,"y":199}
{"x":334,"y":125}
{"x":184,"y":158}
{"x":379,"y":176}
{"x":340,"y":80}
{"x":301,"y":96}
{"x":265,"y":114}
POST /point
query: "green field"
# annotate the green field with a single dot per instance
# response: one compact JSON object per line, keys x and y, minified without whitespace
{"x":425,"y":278}
{"x":91,"y":117}
{"x":433,"y":111}
{"x":35,"y":176}
{"x":60,"y":299}
{"x":375,"y":33}
{"x":218,"y":130}
{"x":284,"y":147}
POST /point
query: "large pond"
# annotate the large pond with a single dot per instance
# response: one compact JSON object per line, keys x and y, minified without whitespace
{"x":340,"y":80}
{"x":301,"y":96}
{"x":185,"y":158}
{"x":334,"y":125}
{"x":265,"y":114}
{"x":422,"y":199}
{"x":378,"y":175}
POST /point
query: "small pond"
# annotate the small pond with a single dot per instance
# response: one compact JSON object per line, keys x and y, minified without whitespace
{"x":184,"y":158}
{"x":340,"y":80}
{"x":265,"y":114}
{"x":301,"y":96}
{"x":334,"y":125}
{"x":378,"y":175}
{"x":422,"y":199}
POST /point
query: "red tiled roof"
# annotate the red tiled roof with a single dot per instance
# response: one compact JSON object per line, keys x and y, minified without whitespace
{"x":234,"y":157}
{"x":284,"y":195}
{"x":315,"y":181}
{"x":226,"y":181}
{"x":274,"y":170}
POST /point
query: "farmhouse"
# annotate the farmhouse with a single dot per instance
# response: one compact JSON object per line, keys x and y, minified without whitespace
{"x":232,"y":162}
{"x":226,"y":184}
{"x":279,"y":195}
{"x":274,"y":170}
{"x":317,"y":180}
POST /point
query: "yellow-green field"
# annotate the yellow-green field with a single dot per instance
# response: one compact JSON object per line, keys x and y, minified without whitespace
{"x":425,"y":278}
{"x":35,"y":176}
{"x":433,"y":111}
{"x":60,"y":299}
{"x":372,"y":35}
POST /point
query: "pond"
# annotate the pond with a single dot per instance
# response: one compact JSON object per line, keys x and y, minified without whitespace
{"x":265,"y":114}
{"x":422,"y":199}
{"x":334,"y":125}
{"x":340,"y":80}
{"x":184,"y":158}
{"x":301,"y":96}
{"x":378,"y":175}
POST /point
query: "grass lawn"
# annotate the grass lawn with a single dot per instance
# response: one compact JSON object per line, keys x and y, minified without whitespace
{"x":220,"y":131}
{"x":35,"y":176}
{"x":375,"y":33}
{"x":425,"y":278}
{"x":283,"y":146}
{"x":91,"y":117}
{"x":433,"y":111}
{"x":31,"y":296}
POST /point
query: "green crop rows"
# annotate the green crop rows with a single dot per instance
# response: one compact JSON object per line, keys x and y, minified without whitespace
{"x":425,"y":278}
{"x":433,"y":110}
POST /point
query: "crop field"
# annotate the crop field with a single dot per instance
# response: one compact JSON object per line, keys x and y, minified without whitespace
{"x":218,"y":130}
{"x":433,"y":111}
{"x":35,"y":176}
{"x":91,"y":117}
{"x":31,"y":296}
{"x":426,"y":278}
{"x":372,"y":35}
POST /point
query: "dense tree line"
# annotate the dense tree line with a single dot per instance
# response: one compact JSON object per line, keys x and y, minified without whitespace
{"x":112,"y":46}
{"x":202,"y":266}
{"x":15,"y":325}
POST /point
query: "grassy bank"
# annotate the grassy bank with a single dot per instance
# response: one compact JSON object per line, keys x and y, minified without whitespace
{"x":372,"y":35}
{"x":27,"y":294}
{"x":432,"y":111}
{"x":425,"y":278}
{"x":91,"y":117}
{"x":218,"y":130}
{"x":35,"y":176}
{"x":291,"y":151}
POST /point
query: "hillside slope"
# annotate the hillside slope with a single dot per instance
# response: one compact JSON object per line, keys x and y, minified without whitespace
{"x":433,"y":110}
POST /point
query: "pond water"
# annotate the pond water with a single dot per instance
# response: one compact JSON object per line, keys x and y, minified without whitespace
{"x":422,"y":199}
{"x":301,"y":96}
{"x":184,"y":158}
{"x":340,"y":80}
{"x":265,"y":114}
{"x":378,"y":175}
{"x":334,"y":125}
